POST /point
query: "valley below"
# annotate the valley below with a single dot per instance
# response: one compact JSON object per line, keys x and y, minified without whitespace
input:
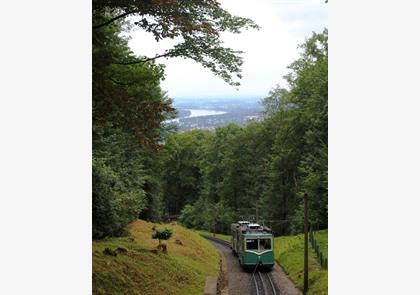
{"x":210,"y":114}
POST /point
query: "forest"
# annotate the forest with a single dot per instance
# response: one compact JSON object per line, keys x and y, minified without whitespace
{"x":145,"y":169}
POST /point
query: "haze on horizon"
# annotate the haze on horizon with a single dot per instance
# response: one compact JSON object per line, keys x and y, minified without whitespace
{"x":267,"y":52}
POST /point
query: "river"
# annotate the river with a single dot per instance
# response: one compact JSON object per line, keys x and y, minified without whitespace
{"x":198,"y":113}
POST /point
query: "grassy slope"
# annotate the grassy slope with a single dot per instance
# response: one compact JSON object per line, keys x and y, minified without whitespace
{"x":289,"y":254}
{"x":182,"y":271}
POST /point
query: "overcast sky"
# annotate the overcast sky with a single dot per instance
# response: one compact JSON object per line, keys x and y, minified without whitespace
{"x":267,"y":52}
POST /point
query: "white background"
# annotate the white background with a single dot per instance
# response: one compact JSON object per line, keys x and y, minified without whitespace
{"x":45,"y":150}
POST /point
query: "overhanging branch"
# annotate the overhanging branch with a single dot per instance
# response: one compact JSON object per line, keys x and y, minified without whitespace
{"x":139,"y":61}
{"x":115,"y":18}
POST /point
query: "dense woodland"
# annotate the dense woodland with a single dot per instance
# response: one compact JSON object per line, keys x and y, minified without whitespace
{"x":145,"y":169}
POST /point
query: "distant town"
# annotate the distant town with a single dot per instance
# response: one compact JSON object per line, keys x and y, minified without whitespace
{"x":209,"y":114}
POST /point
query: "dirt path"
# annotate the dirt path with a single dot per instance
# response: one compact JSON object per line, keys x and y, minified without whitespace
{"x":239,"y":281}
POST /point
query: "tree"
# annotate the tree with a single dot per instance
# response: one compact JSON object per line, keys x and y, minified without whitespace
{"x":310,"y":93}
{"x":275,"y":101}
{"x":119,"y":176}
{"x":130,"y":97}
{"x":299,"y":162}
{"x":105,"y":220}
{"x":181,"y":169}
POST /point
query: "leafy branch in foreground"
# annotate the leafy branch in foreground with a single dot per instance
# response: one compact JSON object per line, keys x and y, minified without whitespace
{"x":198,"y":24}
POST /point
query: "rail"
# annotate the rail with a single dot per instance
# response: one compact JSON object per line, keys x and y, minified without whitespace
{"x":263,"y":283}
{"x":217,"y":240}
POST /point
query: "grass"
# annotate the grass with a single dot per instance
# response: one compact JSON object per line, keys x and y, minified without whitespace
{"x":140,"y":271}
{"x":289,"y":254}
{"x":220,"y":236}
{"x":321,"y":237}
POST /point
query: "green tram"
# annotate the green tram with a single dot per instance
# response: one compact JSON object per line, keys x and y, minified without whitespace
{"x":253,"y":244}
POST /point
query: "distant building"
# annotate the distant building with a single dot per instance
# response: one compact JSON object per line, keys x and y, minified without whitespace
{"x":252,"y":119}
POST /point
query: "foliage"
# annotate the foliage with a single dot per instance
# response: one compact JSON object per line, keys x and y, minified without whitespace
{"x":299,"y":157}
{"x":119,"y":177}
{"x":214,"y":217}
{"x":126,"y":97}
{"x":105,"y":220}
{"x":162,"y":234}
{"x":181,"y":175}
{"x":197,"y":24}
{"x":191,"y":216}
{"x":128,"y":110}
{"x":275,"y":101}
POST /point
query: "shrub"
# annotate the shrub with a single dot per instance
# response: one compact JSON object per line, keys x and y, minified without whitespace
{"x":162,"y":234}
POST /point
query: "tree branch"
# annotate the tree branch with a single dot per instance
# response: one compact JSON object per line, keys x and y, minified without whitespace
{"x":115,"y":18}
{"x":139,"y":61}
{"x":119,"y":83}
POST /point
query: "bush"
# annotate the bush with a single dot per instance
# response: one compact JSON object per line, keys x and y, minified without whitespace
{"x":105,"y":220}
{"x":162,"y":234}
{"x":114,"y":202}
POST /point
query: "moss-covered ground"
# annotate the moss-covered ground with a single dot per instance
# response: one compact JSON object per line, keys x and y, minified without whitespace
{"x":139,"y":269}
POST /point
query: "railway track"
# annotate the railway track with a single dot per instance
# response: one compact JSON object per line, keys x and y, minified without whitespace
{"x":262,"y":281}
{"x":217,"y":240}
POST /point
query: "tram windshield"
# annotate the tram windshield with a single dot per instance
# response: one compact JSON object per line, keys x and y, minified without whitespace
{"x":252,"y":244}
{"x":265,"y":244}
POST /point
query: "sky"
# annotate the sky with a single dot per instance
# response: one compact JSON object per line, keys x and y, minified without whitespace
{"x":267,"y":52}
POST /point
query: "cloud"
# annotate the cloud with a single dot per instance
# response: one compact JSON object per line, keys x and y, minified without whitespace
{"x":267,"y":52}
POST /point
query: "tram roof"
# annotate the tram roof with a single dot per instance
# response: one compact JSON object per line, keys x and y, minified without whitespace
{"x":258,"y":234}
{"x":251,"y":228}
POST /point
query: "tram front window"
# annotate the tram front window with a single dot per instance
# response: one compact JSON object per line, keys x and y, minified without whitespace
{"x":265,"y":244}
{"x":252,"y":244}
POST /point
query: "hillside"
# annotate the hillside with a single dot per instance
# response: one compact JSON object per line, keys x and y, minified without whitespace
{"x":138,"y":270}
